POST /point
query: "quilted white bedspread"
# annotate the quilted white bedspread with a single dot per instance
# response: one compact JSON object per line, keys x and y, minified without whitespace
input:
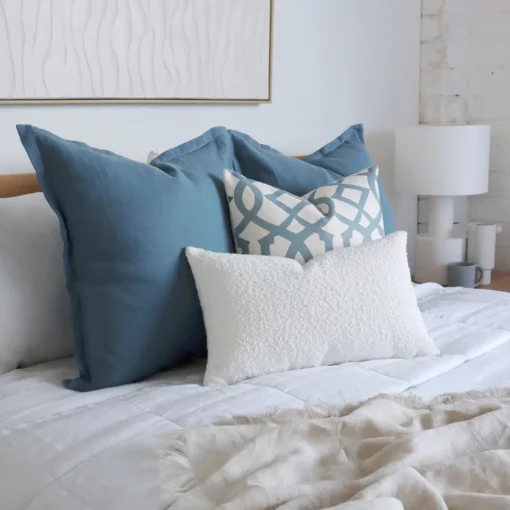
{"x":61,"y":450}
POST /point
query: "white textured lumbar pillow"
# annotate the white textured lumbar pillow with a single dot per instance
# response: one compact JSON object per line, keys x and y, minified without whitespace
{"x":271,"y":314}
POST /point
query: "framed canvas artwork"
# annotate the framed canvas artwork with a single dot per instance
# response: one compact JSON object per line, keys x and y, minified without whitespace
{"x":135,"y":51}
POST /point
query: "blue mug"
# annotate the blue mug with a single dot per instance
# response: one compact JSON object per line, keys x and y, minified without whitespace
{"x":464,"y":274}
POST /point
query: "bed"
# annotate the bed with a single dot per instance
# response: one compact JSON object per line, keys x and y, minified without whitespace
{"x":61,"y":449}
{"x":90,"y":451}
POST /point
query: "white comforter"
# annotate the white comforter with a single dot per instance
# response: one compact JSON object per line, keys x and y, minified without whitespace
{"x":61,"y":450}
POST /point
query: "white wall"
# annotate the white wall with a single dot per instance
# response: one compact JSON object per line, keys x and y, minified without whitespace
{"x":490,"y":104}
{"x":465,"y":78}
{"x":336,"y":62}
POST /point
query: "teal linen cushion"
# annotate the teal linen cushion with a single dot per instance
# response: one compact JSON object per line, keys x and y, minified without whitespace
{"x":125,"y":226}
{"x":345,"y":155}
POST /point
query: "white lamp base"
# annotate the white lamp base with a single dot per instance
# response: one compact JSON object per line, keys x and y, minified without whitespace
{"x":441,"y":211}
{"x":433,"y":254}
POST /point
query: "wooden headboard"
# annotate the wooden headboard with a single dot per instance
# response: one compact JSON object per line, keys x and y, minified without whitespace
{"x":13,"y":185}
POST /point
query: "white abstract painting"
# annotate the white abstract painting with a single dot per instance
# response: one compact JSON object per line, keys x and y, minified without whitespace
{"x":135,"y":50}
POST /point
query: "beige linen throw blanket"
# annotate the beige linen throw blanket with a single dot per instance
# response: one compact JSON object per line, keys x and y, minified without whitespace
{"x":389,"y":453}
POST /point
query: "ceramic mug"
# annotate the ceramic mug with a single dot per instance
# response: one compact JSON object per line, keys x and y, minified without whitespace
{"x":464,"y":274}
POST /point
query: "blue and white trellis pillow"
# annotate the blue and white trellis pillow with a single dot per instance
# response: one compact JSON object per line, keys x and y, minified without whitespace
{"x":268,"y":221}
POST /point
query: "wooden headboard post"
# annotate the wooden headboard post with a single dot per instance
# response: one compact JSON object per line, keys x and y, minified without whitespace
{"x":13,"y":185}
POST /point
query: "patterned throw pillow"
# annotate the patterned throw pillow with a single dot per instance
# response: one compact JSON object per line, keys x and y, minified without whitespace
{"x":269,"y":221}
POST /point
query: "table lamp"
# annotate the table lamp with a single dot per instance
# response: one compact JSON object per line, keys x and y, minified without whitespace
{"x":441,"y":162}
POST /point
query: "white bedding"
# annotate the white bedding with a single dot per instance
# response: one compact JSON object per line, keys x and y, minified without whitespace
{"x":61,"y":450}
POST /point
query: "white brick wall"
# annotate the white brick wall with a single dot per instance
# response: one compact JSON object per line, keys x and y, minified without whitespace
{"x":445,"y":50}
{"x":490,"y":103}
{"x":465,"y":78}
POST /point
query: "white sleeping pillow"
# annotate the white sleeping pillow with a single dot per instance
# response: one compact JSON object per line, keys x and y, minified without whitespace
{"x":272,"y":314}
{"x":35,"y":314}
{"x":153,"y":154}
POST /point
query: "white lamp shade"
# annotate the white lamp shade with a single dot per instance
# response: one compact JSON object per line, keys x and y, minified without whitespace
{"x":442,"y":160}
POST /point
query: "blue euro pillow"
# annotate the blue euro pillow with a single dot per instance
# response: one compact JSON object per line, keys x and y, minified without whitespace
{"x":344,"y":156}
{"x":125,"y":226}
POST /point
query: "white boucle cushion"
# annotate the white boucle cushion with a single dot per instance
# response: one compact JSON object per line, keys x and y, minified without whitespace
{"x":35,"y":313}
{"x":271,"y":314}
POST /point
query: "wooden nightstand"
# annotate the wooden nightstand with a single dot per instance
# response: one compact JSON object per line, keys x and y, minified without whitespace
{"x":500,"y":281}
